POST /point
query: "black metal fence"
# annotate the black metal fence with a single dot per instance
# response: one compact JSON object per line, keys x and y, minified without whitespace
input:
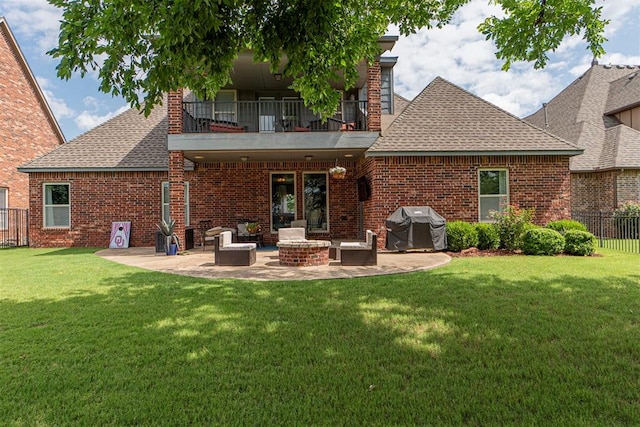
{"x":613,"y":229}
{"x":14,"y":227}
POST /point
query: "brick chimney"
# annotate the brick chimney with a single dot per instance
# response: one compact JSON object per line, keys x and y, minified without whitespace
{"x":174,"y":111}
{"x":373,"y":97}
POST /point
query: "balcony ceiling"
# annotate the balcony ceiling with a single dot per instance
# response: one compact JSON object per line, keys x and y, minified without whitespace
{"x":247,"y":75}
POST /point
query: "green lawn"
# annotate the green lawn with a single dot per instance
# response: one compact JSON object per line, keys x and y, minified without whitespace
{"x":484,"y":341}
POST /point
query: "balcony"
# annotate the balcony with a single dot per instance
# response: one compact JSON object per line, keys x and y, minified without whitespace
{"x":269,"y":116}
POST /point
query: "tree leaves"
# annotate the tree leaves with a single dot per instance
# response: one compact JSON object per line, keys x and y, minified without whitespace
{"x":143,"y":48}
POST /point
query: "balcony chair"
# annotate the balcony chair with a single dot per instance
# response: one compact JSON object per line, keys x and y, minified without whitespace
{"x":228,"y":253}
{"x":360,"y":253}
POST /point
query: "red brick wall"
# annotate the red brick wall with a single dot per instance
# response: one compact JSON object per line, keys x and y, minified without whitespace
{"x":26,"y":130}
{"x":222,"y":192}
{"x":228,"y":192}
{"x":450,"y":186}
{"x":594,"y":191}
{"x":628,"y":186}
{"x":97,"y":200}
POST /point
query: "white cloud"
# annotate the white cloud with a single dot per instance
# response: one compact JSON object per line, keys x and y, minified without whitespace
{"x":460,"y":54}
{"x":58,"y":106}
{"x":34,"y":20}
{"x":88,"y":120}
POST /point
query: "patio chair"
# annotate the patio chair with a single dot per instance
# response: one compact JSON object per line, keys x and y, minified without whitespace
{"x":360,"y":253}
{"x":207,"y":232}
{"x":294,"y":233}
{"x":299,"y":223}
{"x":228,"y":253}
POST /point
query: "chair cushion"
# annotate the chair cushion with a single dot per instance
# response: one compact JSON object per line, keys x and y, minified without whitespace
{"x":225,"y":239}
{"x":295,"y":233}
{"x":239,"y":246}
{"x":213,"y":231}
{"x":354,"y":245}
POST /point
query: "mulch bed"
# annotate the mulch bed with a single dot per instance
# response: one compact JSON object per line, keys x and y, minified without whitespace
{"x":475,"y":252}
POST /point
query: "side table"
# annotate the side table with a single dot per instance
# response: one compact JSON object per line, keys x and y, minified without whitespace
{"x":251,"y":238}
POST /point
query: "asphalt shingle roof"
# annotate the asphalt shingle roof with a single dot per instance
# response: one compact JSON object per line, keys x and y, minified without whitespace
{"x":579,"y":114}
{"x":446,"y":119}
{"x":129,"y":141}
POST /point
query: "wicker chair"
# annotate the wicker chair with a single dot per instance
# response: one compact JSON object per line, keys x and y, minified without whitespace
{"x":228,"y":253}
{"x":360,"y":253}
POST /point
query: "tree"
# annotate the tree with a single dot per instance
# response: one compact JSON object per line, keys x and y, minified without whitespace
{"x":142,"y":48}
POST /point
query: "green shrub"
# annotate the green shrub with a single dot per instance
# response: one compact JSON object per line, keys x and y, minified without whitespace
{"x":511,"y":224}
{"x":488,"y":237}
{"x":542,"y":241}
{"x":461,"y":235}
{"x":564,"y":225}
{"x":578,"y":242}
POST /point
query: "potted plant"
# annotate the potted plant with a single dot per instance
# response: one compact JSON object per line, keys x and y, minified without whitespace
{"x":166,"y":228}
{"x":252,"y":227}
{"x":338,"y":172}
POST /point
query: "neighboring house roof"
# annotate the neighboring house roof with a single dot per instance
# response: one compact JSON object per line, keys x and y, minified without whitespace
{"x":399,"y":103}
{"x":13,"y":45}
{"x":624,"y":93}
{"x":447,"y":120}
{"x":129,"y":141}
{"x":582,"y":114}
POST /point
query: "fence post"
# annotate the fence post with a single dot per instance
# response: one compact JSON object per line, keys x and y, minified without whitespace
{"x":601,"y":219}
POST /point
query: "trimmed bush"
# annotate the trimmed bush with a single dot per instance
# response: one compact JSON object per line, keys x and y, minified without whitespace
{"x":461,"y":235}
{"x":578,"y":242}
{"x":511,"y":224}
{"x":564,"y":225}
{"x":542,"y":241}
{"x":488,"y":237}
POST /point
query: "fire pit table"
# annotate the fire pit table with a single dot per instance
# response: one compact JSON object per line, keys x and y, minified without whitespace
{"x":303,"y":253}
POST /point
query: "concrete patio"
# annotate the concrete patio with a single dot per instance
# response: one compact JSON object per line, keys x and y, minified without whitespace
{"x":197,"y":263}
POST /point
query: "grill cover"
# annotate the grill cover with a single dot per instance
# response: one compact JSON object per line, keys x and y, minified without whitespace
{"x":416,"y":227}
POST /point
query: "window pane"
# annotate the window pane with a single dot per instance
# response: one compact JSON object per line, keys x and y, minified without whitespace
{"x":315,"y":201}
{"x":3,"y":208}
{"x":489,"y":182}
{"x":56,"y":216}
{"x":283,"y":200}
{"x":57,"y":194}
{"x":488,"y":204}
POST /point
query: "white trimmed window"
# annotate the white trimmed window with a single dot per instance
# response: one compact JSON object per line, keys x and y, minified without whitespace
{"x":165,"y":203}
{"x":493,"y":192}
{"x":316,"y":201}
{"x":57,"y":208}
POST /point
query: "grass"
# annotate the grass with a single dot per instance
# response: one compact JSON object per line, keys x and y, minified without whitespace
{"x":483,"y":341}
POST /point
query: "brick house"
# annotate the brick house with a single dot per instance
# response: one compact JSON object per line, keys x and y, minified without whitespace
{"x":599,"y":112}
{"x":256,"y":152}
{"x":28,"y":128}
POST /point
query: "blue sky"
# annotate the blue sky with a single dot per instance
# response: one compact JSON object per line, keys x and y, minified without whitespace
{"x":457,"y":53}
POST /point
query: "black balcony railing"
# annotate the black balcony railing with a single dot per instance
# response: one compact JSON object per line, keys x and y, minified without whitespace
{"x":270,"y":116}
